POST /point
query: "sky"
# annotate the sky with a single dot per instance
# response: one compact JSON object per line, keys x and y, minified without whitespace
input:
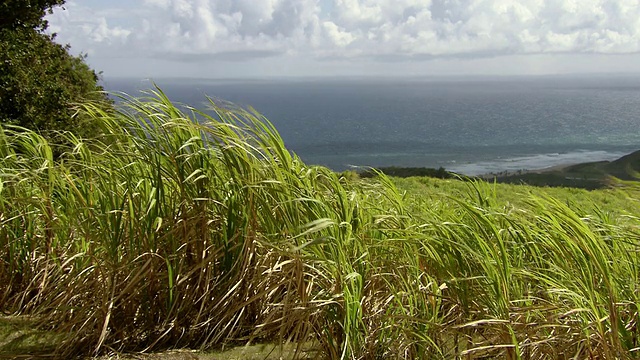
{"x":315,"y":38}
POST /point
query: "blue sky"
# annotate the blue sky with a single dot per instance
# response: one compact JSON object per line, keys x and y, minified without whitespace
{"x":267,"y":38}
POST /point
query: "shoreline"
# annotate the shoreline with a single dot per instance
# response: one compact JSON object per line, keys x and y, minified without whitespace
{"x":545,"y":170}
{"x":591,"y":174}
{"x":508,"y":165}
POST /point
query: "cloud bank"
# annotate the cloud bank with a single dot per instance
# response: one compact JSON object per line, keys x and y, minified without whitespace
{"x":236,"y":30}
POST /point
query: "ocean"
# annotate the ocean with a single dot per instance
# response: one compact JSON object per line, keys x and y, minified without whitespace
{"x":470,"y":126}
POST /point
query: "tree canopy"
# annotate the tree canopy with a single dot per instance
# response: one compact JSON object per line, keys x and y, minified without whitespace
{"x":25,"y":13}
{"x":39,"y":79}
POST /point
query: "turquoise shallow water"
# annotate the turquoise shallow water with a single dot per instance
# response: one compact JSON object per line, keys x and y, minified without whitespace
{"x":470,"y":126}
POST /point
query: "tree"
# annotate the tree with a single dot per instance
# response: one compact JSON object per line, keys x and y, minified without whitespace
{"x":39,"y":79}
{"x":25,"y":13}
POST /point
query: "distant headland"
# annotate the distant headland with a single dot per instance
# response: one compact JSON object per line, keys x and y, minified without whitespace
{"x":587,"y":175}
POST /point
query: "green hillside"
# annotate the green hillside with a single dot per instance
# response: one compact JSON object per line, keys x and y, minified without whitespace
{"x":178,"y":229}
{"x":625,"y":168}
{"x":590,"y":175}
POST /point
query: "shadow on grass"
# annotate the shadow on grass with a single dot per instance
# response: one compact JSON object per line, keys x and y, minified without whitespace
{"x":19,"y":339}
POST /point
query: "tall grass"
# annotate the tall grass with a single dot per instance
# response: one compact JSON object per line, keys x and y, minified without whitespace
{"x":176,"y":228}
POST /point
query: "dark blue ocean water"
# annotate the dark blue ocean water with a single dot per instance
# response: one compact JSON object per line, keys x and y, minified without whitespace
{"x":469,"y":126}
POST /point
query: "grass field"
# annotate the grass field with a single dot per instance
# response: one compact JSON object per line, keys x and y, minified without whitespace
{"x":179,"y":230}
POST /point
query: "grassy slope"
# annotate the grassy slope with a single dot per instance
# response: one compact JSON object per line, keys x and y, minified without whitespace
{"x":616,"y":201}
{"x":171,"y":233}
{"x":18,"y":335}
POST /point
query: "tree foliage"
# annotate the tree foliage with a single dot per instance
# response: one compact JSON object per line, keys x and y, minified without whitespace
{"x":25,"y":13}
{"x":39,"y":79}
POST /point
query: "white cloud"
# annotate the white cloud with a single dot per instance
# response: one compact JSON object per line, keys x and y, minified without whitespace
{"x":89,"y":31}
{"x":490,"y":27}
{"x":337,"y":35}
{"x":100,"y":32}
{"x":199,"y":27}
{"x":375,"y":29}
